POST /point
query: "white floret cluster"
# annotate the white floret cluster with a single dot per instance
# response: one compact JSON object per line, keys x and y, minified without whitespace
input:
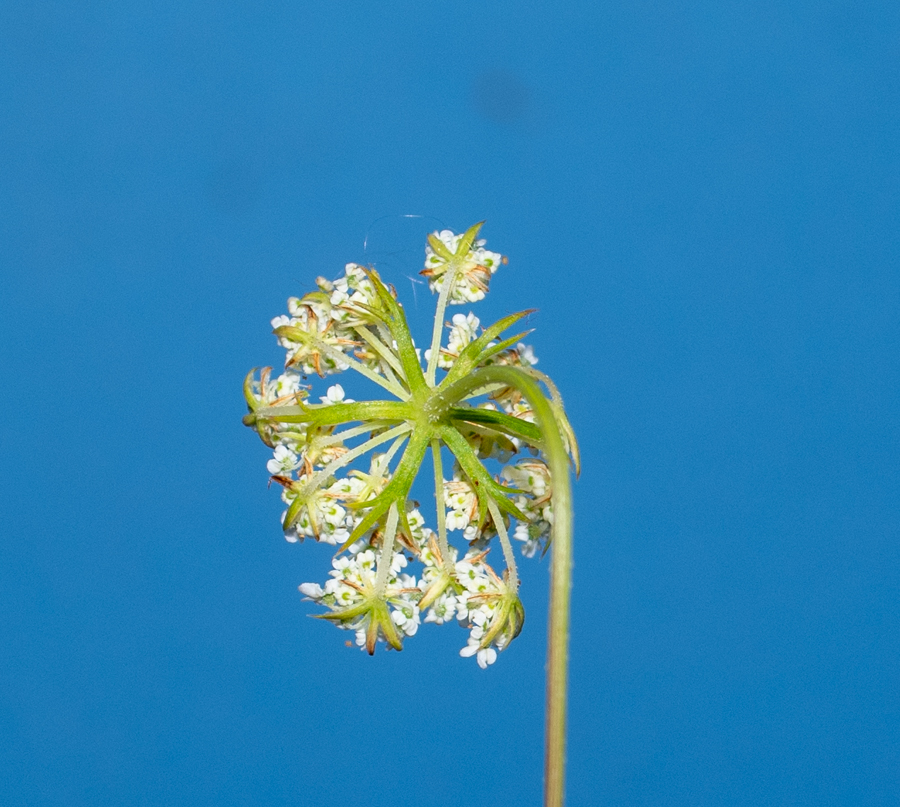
{"x":463,"y":330}
{"x":477,"y":268}
{"x":352,"y":580}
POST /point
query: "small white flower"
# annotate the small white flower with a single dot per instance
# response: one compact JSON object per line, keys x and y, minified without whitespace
{"x":283,"y":462}
{"x":532,"y":476}
{"x":463,"y":330}
{"x":474,"y":577}
{"x":406,"y":617}
{"x":526,"y":355}
{"x":417,"y":527}
{"x":312,"y":591}
{"x":444,"y":609}
{"x":335,"y":395}
{"x":288,"y":383}
{"x":484,"y":656}
{"x":462,"y":503}
{"x":533,"y":535}
{"x":456,"y":520}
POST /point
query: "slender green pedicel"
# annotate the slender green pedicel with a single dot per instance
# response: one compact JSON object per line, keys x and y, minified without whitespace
{"x":346,"y":468}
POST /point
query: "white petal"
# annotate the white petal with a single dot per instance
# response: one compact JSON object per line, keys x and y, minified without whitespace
{"x":312,"y":590}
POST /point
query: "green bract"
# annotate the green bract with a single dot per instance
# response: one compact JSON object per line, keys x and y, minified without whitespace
{"x":488,"y":406}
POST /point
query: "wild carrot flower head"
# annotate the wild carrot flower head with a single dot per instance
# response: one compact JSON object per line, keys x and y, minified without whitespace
{"x":346,"y":467}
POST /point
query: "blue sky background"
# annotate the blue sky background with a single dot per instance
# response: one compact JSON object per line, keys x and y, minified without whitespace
{"x":701,"y":198}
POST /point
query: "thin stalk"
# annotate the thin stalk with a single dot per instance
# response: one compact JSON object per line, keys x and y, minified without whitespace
{"x":381,"y":349}
{"x":508,"y":555}
{"x":340,"y":437}
{"x":487,"y":390}
{"x":376,"y":479}
{"x":391,"y":452}
{"x":441,"y":507}
{"x":384,"y":333}
{"x":387,"y":551}
{"x":389,"y":373}
{"x":561,"y":564}
{"x":446,"y":287}
{"x":319,"y":477}
{"x":387,"y":340}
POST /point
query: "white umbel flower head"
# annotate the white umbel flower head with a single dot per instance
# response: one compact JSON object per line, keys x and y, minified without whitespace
{"x":346,"y":468}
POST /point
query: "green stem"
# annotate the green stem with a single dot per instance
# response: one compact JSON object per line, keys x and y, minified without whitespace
{"x":561,"y":563}
{"x":340,"y":437}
